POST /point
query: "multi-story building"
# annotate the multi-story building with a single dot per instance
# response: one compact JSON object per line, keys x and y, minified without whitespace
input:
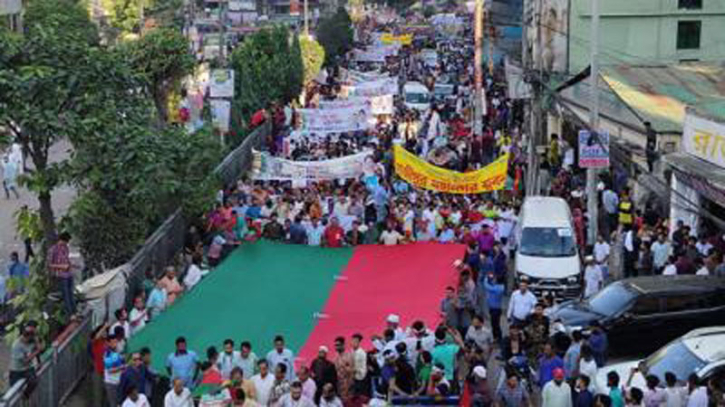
{"x":11,"y":14}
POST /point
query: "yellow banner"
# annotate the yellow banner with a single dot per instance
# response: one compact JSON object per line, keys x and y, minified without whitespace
{"x":404,"y":39}
{"x":427,"y":176}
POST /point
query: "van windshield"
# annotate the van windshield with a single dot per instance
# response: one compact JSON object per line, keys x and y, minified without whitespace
{"x":417,"y":98}
{"x":547,"y":242}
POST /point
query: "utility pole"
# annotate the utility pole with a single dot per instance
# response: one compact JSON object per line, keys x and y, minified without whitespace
{"x":307,"y":20}
{"x":592,"y":201}
{"x":536,"y":79}
{"x":478,"y":62}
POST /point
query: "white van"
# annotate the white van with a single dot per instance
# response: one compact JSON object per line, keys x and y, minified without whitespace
{"x":416,"y":96}
{"x":547,"y":250}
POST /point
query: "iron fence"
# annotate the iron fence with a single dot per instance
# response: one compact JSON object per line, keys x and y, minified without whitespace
{"x":67,"y":362}
{"x":62,"y":367}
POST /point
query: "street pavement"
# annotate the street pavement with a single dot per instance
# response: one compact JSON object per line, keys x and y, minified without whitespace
{"x":9,"y":242}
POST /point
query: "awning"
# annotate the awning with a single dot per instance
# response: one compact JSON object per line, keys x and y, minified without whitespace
{"x":708,"y":179}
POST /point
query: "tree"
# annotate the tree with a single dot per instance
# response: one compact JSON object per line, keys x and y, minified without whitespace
{"x":48,"y":89}
{"x":313,"y":56}
{"x":335,"y":35}
{"x":296,"y":72}
{"x":162,"y":58}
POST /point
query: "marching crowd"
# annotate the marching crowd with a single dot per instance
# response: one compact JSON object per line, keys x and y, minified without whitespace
{"x":495,"y":346}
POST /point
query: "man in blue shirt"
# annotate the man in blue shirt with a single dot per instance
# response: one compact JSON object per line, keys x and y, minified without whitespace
{"x":16,"y":269}
{"x":183,"y":363}
{"x":547,"y":364}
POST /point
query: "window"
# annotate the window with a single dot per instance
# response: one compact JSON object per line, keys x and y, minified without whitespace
{"x":646,"y":306}
{"x":679,"y":303}
{"x":689,"y":4}
{"x":688,"y":34}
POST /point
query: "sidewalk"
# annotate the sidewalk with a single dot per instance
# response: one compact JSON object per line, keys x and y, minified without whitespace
{"x":62,"y":198}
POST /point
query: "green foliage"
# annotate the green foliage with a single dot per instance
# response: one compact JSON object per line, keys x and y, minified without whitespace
{"x":296,"y":69}
{"x":335,"y":34}
{"x":313,"y":56}
{"x":268,"y":69}
{"x":162,"y":59}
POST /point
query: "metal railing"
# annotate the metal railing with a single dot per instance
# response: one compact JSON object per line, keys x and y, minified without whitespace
{"x":62,"y":367}
{"x":68,"y":361}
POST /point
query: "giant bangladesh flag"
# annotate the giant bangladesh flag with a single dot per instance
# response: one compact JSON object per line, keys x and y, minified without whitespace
{"x":265,"y":289}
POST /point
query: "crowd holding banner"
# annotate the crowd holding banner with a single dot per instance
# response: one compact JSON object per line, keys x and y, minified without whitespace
{"x":266,"y":167}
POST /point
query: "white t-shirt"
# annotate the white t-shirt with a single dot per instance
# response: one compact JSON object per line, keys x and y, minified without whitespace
{"x":138,"y":317}
{"x":593,"y":280}
{"x":670,"y":270}
{"x":601,"y":251}
{"x":141,"y":402}
{"x":193,"y":276}
{"x":263,"y":387}
{"x":703,"y":271}
{"x":390,"y":238}
{"x":676,"y":396}
{"x":174,"y":400}
{"x":698,"y":398}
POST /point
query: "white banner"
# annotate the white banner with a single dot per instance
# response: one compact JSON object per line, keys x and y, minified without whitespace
{"x":269,"y":168}
{"x":354,"y":77}
{"x":378,"y":104}
{"x":376,"y":54}
{"x":220,"y":113}
{"x":221,"y":83}
{"x":705,"y":139}
{"x":380,"y":87}
{"x":339,"y":120}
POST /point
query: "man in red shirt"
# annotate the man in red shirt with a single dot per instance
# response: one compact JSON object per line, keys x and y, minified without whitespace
{"x":334,"y":234}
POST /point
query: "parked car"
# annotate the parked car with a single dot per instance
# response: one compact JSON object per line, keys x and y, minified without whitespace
{"x":701,"y":351}
{"x":643,"y":313}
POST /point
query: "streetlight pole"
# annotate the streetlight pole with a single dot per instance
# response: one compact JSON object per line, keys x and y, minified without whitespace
{"x":478,"y":62}
{"x":592,"y":200}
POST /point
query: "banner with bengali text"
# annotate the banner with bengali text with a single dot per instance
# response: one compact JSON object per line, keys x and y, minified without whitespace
{"x":266,"y":167}
{"x":339,"y":120}
{"x":378,"y":104}
{"x":425,"y":175}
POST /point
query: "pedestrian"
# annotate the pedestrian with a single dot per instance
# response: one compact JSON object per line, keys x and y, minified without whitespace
{"x":295,"y":397}
{"x":10,"y":177}
{"x":345,"y":366}
{"x":263,"y":383}
{"x":59,"y":266}
{"x":183,"y":363}
{"x":494,"y":300}
{"x":23,"y":353}
{"x":113,"y":366}
{"x":549,"y":364}
{"x":521,"y":304}
{"x":593,"y":277}
{"x":584,"y":397}
{"x":599,"y":343}
{"x":179,"y":395}
{"x":614,"y":390}
{"x":323,"y":372}
{"x":571,"y":357}
{"x":512,"y":393}
{"x":135,"y":399}
{"x":676,"y":395}
{"x":248,"y":359}
{"x":281,"y":385}
{"x":282,"y":355}
{"x":556,"y":392}
{"x":133,"y":377}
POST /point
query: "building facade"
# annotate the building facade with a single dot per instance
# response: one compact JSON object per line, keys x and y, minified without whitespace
{"x":648,"y":31}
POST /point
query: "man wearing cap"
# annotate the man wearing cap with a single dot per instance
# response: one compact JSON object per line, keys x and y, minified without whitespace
{"x":556,"y":393}
{"x":393,"y":322}
{"x":480,"y":391}
{"x":593,"y":278}
{"x":323,"y":371}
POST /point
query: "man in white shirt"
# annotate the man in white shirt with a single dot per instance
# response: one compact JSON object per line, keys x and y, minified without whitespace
{"x":556,"y":393}
{"x":282,"y":355}
{"x":360,"y":358}
{"x":263,"y":383}
{"x":179,"y":396}
{"x":661,"y":251}
{"x":135,"y":399}
{"x":390,"y":236}
{"x":229,"y":359}
{"x":522,"y":303}
{"x":295,"y":398}
{"x":138,"y":315}
{"x":670,"y":269}
{"x":121,"y":321}
{"x":601,"y":255}
{"x":393,"y":322}
{"x":593,"y":278}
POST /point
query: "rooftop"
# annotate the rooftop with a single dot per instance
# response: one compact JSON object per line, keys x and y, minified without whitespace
{"x":660,"y":93}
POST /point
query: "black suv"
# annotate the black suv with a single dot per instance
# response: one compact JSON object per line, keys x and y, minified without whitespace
{"x":641,"y":314}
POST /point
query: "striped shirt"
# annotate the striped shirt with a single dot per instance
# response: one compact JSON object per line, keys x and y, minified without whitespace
{"x":59,"y":260}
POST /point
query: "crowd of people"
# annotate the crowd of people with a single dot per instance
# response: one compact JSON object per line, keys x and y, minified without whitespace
{"x":495,"y":345}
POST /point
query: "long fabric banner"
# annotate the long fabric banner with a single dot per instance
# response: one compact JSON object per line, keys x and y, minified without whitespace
{"x":266,"y":167}
{"x":427,"y":176}
{"x":338,"y":120}
{"x":378,"y":104}
{"x":380,"y":87}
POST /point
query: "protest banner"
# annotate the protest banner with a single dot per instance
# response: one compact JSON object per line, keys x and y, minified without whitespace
{"x":338,"y":120}
{"x":221,"y":83}
{"x":427,"y":176}
{"x":378,"y":104}
{"x":380,"y":87}
{"x":266,"y":167}
{"x":220,"y":114}
{"x":404,"y":39}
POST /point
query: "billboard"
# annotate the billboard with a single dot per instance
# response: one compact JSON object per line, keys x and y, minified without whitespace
{"x":551,"y":21}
